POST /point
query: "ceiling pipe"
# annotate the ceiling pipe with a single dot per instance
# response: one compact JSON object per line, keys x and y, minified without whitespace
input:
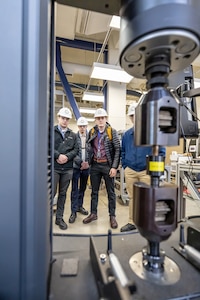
{"x":97,"y":88}
{"x":72,"y":68}
{"x":79,"y":44}
{"x":65,"y":83}
{"x":90,"y":46}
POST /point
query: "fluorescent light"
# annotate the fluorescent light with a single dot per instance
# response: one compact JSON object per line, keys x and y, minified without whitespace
{"x":90,"y":119}
{"x":95,"y":97}
{"x":87,"y":110}
{"x":196,"y":83}
{"x":110,"y":73}
{"x":115,"y":22}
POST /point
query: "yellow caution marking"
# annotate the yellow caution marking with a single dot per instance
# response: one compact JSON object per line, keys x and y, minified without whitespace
{"x":156,"y":166}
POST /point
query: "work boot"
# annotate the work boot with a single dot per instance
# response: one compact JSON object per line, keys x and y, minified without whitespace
{"x":113,"y":222}
{"x":61,"y":223}
{"x":90,"y":218}
{"x":72,"y":218}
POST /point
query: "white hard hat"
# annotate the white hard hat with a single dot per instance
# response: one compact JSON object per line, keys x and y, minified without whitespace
{"x":131,"y":109}
{"x":100,"y":112}
{"x":82,"y":121}
{"x":65,"y":112}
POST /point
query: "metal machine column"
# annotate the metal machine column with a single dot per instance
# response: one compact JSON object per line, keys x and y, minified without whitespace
{"x":24,"y":119}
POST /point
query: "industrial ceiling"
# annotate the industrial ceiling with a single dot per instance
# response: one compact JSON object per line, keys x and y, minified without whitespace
{"x":76,"y":25}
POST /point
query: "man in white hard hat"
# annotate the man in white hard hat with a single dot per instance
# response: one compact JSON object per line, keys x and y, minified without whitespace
{"x":104,"y":158}
{"x":80,"y":172}
{"x":133,"y":160}
{"x":65,"y":149}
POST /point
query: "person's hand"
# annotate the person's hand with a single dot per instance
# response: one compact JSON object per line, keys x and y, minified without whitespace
{"x":112,"y":172}
{"x":62,"y":159}
{"x":84,"y":165}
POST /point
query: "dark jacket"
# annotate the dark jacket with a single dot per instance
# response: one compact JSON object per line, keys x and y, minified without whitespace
{"x":112,"y":146}
{"x":68,"y":146}
{"x":78,"y":159}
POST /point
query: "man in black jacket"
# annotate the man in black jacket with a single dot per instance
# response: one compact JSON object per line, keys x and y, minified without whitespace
{"x":104,"y":157}
{"x":65,"y":149}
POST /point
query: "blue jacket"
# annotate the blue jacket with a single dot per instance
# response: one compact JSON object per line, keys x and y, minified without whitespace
{"x":133,"y":156}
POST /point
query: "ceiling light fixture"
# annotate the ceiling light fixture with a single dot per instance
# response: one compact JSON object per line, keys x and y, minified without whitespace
{"x":115,"y":22}
{"x":94,"y":97}
{"x":110,"y":73}
{"x":196,"y":83}
{"x":87,"y":110}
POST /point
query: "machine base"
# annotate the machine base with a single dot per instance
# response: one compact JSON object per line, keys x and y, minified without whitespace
{"x":94,"y":279}
{"x":170,"y":275}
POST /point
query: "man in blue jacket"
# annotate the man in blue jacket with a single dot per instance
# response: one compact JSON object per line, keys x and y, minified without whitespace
{"x":133,"y":160}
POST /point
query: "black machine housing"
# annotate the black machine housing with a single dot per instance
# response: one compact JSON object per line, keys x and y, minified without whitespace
{"x":183,"y":81}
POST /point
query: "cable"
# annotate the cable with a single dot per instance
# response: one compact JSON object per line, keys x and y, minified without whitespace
{"x":100,"y":53}
{"x":183,"y":104}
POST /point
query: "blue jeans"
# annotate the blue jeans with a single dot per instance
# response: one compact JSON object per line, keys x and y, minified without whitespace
{"x":79,"y":184}
{"x":99,"y":170}
{"x":61,"y":181}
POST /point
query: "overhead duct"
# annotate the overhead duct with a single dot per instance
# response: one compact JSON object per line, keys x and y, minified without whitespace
{"x":89,"y":23}
{"x":66,"y":31}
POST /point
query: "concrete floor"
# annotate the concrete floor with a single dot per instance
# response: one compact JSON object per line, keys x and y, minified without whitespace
{"x":102,"y":225}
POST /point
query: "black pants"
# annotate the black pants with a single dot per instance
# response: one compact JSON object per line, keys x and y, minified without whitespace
{"x":61,"y":182}
{"x":97,"y":171}
{"x":79,"y":184}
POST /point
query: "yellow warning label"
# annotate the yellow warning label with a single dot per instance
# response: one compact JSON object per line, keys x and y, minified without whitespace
{"x":156,"y":166}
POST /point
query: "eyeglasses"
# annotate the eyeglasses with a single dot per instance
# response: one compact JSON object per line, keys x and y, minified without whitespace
{"x":82,"y":126}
